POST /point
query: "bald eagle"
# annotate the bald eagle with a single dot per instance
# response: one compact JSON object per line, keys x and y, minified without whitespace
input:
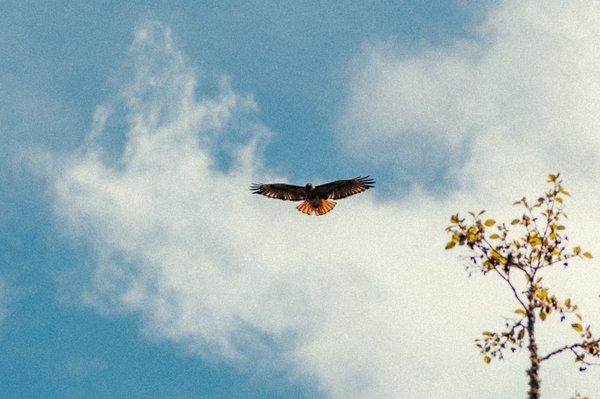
{"x":317,"y":200}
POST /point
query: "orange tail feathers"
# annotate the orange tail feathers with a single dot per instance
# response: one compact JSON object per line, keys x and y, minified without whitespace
{"x":324,"y":207}
{"x":305,"y":207}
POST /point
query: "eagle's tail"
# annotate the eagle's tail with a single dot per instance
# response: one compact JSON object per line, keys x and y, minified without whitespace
{"x":324,"y":207}
{"x":305,"y":207}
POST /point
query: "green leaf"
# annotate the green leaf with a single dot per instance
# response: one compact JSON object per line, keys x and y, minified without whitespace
{"x":450,"y":244}
{"x":490,"y":222}
{"x":494,"y":237}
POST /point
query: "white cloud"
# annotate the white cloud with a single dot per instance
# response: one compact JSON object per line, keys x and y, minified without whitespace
{"x":528,"y":81}
{"x":519,"y":100}
{"x":365,"y":300}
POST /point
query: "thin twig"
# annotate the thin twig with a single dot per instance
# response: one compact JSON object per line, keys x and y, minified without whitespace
{"x":568,"y":347}
{"x":512,"y":287}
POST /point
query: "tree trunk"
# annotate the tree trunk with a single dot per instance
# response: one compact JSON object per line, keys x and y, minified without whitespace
{"x":533,"y":371}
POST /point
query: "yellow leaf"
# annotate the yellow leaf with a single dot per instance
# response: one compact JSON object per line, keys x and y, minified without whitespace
{"x":487,"y":334}
{"x":490,"y":222}
{"x":487,"y":359}
{"x":568,"y":302}
{"x":473,"y":233}
{"x":542,"y":294}
{"x":454,"y":219}
{"x":588,"y":255}
{"x":515,"y":221}
{"x":551,"y":178}
{"x":561,"y":189}
{"x":542,"y":315}
{"x":498,"y":257}
{"x":450,"y":244}
{"x":576,"y":249}
{"x":577,"y":327}
{"x":520,"y":311}
{"x":494,"y":237}
{"x":560,"y":227}
{"x":534,"y":240}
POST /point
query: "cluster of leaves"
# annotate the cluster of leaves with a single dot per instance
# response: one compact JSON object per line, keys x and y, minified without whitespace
{"x":517,"y":253}
{"x":543,"y":241}
{"x":492,"y":344}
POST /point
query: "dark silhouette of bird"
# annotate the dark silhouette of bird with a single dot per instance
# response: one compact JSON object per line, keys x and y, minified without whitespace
{"x":317,"y":200}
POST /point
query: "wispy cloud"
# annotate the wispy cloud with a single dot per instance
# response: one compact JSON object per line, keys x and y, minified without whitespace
{"x":363,"y":300}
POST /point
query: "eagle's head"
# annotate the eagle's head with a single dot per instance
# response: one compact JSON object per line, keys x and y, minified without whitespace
{"x":310,"y":187}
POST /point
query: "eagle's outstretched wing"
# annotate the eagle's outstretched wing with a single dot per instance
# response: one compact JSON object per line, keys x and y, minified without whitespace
{"x":344,"y":188}
{"x":286,"y":192}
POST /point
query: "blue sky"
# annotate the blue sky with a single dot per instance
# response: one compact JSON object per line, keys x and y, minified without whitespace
{"x":293,"y":58}
{"x":108,"y":288}
{"x":59,"y":62}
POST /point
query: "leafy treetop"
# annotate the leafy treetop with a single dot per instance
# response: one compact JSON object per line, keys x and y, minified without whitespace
{"x":517,"y":253}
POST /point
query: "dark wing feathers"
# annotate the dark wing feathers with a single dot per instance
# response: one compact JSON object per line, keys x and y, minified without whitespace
{"x":345,"y":188}
{"x":286,"y":192}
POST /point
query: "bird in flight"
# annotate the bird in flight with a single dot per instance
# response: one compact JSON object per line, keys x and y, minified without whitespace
{"x":317,"y":200}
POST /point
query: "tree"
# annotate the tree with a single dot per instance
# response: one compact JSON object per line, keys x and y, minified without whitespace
{"x":518,"y":254}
